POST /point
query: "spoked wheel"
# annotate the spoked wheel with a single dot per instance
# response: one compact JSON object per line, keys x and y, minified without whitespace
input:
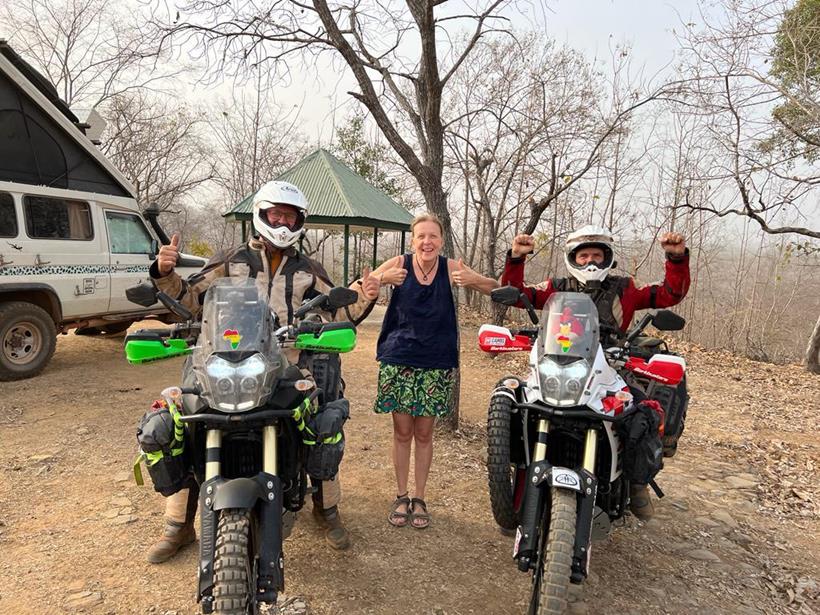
{"x":505,"y":480}
{"x":234,"y":569}
{"x":551,"y":577}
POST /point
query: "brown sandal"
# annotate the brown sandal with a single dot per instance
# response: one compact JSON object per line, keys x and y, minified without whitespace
{"x":396,"y":518}
{"x":421,"y":516}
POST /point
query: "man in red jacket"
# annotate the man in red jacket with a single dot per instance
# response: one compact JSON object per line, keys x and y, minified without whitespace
{"x":589,"y":256}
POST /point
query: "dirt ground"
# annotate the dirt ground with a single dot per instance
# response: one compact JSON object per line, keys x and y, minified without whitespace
{"x":737,"y":533}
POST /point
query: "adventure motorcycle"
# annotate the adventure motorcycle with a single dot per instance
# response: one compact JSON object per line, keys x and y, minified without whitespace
{"x":246,"y":422}
{"x":564,"y":444}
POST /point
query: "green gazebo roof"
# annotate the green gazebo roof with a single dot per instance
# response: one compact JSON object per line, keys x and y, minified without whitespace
{"x":337,"y":197}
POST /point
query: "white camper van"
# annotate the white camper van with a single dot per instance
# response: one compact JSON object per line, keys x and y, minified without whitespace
{"x":72,"y":238}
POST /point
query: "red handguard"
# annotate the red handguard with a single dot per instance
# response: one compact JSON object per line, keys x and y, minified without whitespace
{"x":499,"y":339}
{"x":666,"y":369}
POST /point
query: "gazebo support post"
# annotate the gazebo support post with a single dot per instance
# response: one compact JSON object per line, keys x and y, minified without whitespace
{"x":375,"y":245}
{"x":347,"y":253}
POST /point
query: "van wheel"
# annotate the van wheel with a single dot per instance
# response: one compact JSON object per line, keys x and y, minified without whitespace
{"x":27,"y":340}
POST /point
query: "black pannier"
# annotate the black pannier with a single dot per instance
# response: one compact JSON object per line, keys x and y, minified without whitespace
{"x":643,"y":449}
{"x":674,"y":400}
{"x":325,"y":439}
{"x":162,"y":445}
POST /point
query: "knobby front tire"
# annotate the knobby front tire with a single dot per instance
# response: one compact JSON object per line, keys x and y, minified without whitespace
{"x":556,"y":557}
{"x":234,"y":582}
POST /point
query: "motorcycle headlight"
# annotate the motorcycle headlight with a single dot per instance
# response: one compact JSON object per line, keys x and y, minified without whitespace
{"x":238,"y":386}
{"x":562,"y":385}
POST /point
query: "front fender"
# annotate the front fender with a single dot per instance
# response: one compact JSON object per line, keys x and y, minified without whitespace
{"x":238,"y":493}
{"x":558,"y":477}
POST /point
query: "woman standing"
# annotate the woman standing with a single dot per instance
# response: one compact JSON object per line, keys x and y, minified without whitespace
{"x":418,"y":354}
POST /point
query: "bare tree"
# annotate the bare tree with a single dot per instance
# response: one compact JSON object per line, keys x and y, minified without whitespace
{"x":519,"y":99}
{"x":159,"y":146}
{"x":90,"y":50}
{"x":254,"y":139}
{"x":756,"y":90}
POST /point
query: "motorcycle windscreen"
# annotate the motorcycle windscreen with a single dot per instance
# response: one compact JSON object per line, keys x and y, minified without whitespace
{"x":235,"y":317}
{"x":569,"y":327}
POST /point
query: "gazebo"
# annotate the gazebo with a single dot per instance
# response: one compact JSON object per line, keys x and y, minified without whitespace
{"x":339,"y":198}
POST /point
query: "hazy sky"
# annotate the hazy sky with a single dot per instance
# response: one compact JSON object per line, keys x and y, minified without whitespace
{"x":592,"y":25}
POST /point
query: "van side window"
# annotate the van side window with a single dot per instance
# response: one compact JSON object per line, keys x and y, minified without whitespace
{"x":50,"y":218}
{"x":8,"y":217}
{"x":127,"y":234}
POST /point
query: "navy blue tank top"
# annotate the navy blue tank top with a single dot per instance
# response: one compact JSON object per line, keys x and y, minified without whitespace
{"x":419,"y":328}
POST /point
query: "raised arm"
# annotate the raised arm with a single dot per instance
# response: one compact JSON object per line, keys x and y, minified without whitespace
{"x":675,"y":284}
{"x":514,"y":273}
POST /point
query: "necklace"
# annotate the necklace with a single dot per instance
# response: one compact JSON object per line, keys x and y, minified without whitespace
{"x":424,"y":273}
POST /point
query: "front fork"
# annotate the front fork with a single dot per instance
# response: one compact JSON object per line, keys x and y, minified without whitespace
{"x":532,"y":509}
{"x":271,"y":573}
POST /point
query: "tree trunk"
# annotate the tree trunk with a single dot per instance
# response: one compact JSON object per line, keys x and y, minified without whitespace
{"x":813,"y":351}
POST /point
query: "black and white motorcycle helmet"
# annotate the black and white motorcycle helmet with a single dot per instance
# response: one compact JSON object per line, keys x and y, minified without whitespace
{"x":279,"y":193}
{"x":589,"y":236}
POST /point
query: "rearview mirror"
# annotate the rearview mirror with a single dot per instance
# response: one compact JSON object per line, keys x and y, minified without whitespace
{"x":506,"y":295}
{"x":142,"y":294}
{"x":340,"y":297}
{"x":667,"y":320}
{"x":154,"y":250}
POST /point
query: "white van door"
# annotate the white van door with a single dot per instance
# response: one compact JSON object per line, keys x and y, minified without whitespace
{"x":131,"y":255}
{"x":64,"y":247}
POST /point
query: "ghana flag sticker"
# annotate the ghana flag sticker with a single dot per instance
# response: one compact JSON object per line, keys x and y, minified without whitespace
{"x":232,"y":335}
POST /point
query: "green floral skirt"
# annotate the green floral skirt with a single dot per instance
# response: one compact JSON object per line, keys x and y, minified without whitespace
{"x":416,"y":391}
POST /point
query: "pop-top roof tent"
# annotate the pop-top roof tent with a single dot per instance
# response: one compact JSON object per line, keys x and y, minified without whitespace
{"x":44,"y":143}
{"x":338,"y":197}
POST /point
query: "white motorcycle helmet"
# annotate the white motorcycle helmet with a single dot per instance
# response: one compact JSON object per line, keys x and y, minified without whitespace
{"x":589,"y":236}
{"x":279,"y":193}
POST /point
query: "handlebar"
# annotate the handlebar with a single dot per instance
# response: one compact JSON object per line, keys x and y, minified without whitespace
{"x":310,"y":305}
{"x":529,"y":332}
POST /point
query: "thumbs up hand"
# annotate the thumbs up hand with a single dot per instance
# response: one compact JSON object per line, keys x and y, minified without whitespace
{"x":394,"y":276}
{"x":462,"y":274}
{"x":168,"y":256}
{"x":370,"y":285}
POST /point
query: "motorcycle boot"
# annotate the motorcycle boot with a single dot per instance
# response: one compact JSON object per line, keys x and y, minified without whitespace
{"x":640,"y":503}
{"x":175,"y":536}
{"x":336,"y":533}
{"x":180,"y":511}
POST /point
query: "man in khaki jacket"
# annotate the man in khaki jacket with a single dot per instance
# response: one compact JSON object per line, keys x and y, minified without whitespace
{"x":279,"y":212}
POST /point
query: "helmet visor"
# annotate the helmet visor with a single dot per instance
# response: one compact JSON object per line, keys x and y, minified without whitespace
{"x":276,"y":216}
{"x":605,"y":263}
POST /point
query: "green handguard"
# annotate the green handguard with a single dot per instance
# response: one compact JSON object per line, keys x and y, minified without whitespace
{"x":334,"y":340}
{"x":143,"y":351}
